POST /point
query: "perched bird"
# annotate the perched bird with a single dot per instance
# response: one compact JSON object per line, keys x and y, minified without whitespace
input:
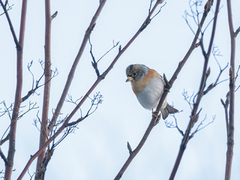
{"x":148,"y":86}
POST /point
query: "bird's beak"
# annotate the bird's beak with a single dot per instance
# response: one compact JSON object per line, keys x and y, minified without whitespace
{"x":129,"y":79}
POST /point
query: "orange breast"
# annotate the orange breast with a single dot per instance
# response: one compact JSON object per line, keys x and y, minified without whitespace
{"x":138,"y":86}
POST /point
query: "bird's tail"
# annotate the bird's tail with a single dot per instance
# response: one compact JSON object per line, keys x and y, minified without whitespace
{"x":168,"y":110}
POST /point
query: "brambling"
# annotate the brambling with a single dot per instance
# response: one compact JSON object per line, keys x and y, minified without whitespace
{"x":148,"y":86}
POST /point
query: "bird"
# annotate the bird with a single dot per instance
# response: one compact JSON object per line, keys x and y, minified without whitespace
{"x":148,"y":86}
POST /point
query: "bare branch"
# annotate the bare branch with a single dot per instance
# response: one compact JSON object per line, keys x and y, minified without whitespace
{"x":30,"y":175}
{"x":230,"y":140}
{"x":225,"y":106}
{"x":129,"y":148}
{"x":7,"y":6}
{"x":10,"y":24}
{"x":236,"y":32}
{"x":160,"y":9}
{"x":216,"y":53}
{"x":188,"y":99}
{"x":94,"y":63}
{"x":31,"y":106}
{"x":113,"y":46}
{"x":237,"y":72}
{"x":174,"y":125}
{"x":36,"y":121}
{"x":17,"y":100}
{"x":37,"y":85}
{"x":40,"y":172}
{"x":3,"y":157}
{"x":195,"y":115}
{"x":3,"y":140}
{"x":71,"y":73}
{"x":7,"y":110}
{"x":97,"y":99}
{"x":54,"y":15}
{"x":202,"y":126}
{"x":211,"y":86}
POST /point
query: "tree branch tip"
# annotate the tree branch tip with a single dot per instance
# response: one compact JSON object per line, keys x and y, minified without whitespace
{"x":129,"y":148}
{"x":54,"y":14}
{"x":236,"y":32}
{"x":168,"y":86}
{"x":161,"y":1}
{"x":222,"y":102}
{"x":120,"y":48}
{"x":208,"y":5}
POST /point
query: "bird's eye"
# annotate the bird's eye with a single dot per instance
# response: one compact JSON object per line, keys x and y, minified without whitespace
{"x":134,"y":74}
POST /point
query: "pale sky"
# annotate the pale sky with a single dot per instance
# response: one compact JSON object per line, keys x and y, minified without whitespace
{"x":98,"y":148}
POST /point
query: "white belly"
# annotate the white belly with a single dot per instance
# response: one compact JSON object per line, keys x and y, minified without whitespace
{"x":150,"y":96}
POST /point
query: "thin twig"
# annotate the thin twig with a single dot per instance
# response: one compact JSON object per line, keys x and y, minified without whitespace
{"x":4,"y":157}
{"x":230,"y":140}
{"x":40,"y":167}
{"x":195,"y":113}
{"x":74,"y":66}
{"x":17,"y":101}
{"x":236,"y":32}
{"x":10,"y":24}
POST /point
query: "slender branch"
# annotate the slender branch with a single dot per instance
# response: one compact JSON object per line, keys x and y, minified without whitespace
{"x":237,"y":31}
{"x":74,"y":66}
{"x":202,"y":126}
{"x":211,"y":86}
{"x":225,"y":106}
{"x":40,"y":169}
{"x":133,"y":153}
{"x":195,"y":115}
{"x":230,"y":140}
{"x":10,"y":24}
{"x":3,"y":140}
{"x":3,"y":157}
{"x":94,"y":63}
{"x":37,"y":86}
{"x":17,"y":102}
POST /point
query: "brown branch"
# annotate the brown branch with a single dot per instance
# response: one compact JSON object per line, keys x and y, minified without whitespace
{"x":213,"y":85}
{"x":230,"y":140}
{"x":2,"y":141}
{"x":17,"y":102}
{"x":225,"y":106}
{"x":195,"y":115}
{"x":133,"y":153}
{"x":74,"y":66}
{"x":10,"y":24}
{"x":40,"y":168}
{"x":3,"y":157}
{"x":237,"y":31}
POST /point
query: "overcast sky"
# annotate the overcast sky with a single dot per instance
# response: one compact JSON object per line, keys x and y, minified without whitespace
{"x":98,"y":148}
